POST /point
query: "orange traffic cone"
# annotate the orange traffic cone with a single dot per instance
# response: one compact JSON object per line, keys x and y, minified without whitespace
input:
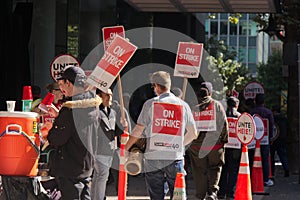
{"x":179,"y":188}
{"x":257,"y":181}
{"x":243,"y":186}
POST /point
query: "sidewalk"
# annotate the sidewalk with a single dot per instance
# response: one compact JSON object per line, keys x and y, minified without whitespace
{"x":285,"y":188}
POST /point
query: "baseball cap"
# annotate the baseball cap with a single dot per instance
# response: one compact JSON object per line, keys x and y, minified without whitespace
{"x":162,"y":78}
{"x":233,"y":101}
{"x":207,"y":85}
{"x":74,"y":74}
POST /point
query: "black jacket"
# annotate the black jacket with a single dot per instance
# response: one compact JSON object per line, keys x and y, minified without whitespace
{"x":72,"y":136}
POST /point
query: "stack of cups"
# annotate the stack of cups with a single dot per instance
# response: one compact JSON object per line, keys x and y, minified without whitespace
{"x":27,"y":99}
{"x":47,"y":101}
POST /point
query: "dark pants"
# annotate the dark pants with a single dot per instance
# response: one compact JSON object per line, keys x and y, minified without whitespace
{"x":72,"y":188}
{"x":158,"y":172}
{"x":279,"y":146}
{"x":230,"y":171}
{"x":206,"y":171}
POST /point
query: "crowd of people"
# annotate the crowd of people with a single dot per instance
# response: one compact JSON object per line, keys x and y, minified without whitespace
{"x":84,"y":129}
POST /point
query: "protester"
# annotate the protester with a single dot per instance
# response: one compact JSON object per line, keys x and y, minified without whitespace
{"x":72,"y":135}
{"x":278,"y":144}
{"x":233,"y":152}
{"x":160,"y":159}
{"x":47,"y":118}
{"x":266,"y":114}
{"x":36,"y":95}
{"x":106,"y":148}
{"x":207,"y":151}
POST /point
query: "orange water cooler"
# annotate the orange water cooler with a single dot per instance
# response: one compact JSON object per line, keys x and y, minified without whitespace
{"x":19,"y":143}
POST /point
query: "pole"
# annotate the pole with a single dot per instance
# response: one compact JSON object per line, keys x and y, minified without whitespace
{"x":298,"y":111}
{"x":122,"y":185}
{"x":185,"y":80}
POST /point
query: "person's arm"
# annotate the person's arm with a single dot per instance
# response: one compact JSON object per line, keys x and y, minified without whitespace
{"x":190,"y":135}
{"x":134,"y":136}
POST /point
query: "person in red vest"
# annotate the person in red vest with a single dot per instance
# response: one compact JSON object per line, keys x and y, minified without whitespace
{"x":207,"y":151}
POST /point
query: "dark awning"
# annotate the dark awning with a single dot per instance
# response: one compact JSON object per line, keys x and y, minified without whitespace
{"x":205,"y":6}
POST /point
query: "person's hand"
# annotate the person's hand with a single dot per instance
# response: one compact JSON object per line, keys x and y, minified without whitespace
{"x":124,"y":122}
{"x":52,"y":110}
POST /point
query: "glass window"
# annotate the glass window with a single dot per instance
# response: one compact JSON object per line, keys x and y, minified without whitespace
{"x":252,"y":41}
{"x":244,"y":28}
{"x":233,"y":29}
{"x":252,"y":55}
{"x":242,"y":41}
{"x":223,"y":27}
{"x":214,"y":28}
{"x":232,"y":40}
{"x":242,"y":54}
{"x":224,"y":16}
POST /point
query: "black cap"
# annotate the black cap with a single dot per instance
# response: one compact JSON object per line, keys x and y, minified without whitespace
{"x":74,"y":74}
{"x":208,"y":86}
{"x":233,"y":101}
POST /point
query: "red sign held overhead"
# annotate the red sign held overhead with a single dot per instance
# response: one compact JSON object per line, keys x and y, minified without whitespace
{"x":188,"y":59}
{"x":109,"y":34}
{"x":114,"y":59}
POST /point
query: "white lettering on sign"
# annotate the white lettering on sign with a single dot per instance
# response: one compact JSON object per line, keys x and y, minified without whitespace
{"x":190,"y":50}
{"x":112,"y":35}
{"x":168,"y":113}
{"x":119,"y":51}
{"x":113,"y":60}
{"x":188,"y":57}
{"x":207,"y":113}
{"x":167,"y":123}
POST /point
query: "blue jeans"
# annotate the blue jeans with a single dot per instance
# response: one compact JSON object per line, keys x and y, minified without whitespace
{"x":100,"y":176}
{"x":159,"y":171}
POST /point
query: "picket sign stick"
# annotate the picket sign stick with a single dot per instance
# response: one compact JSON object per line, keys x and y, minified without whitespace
{"x":185,"y":81}
{"x":122,"y":185}
{"x":121,"y":97}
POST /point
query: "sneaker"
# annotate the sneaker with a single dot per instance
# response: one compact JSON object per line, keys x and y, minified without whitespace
{"x":269,"y":183}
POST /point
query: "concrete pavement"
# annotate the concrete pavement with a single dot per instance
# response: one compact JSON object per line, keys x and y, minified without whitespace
{"x":285,"y":188}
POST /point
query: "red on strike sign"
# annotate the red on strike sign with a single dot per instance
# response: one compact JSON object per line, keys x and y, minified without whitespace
{"x":206,"y":119}
{"x":114,"y":59}
{"x":109,"y":34}
{"x":167,"y":119}
{"x":232,"y":127}
{"x":188,"y":59}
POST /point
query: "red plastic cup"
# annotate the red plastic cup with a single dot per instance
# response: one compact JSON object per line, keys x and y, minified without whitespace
{"x":27,"y":93}
{"x":47,"y":101}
